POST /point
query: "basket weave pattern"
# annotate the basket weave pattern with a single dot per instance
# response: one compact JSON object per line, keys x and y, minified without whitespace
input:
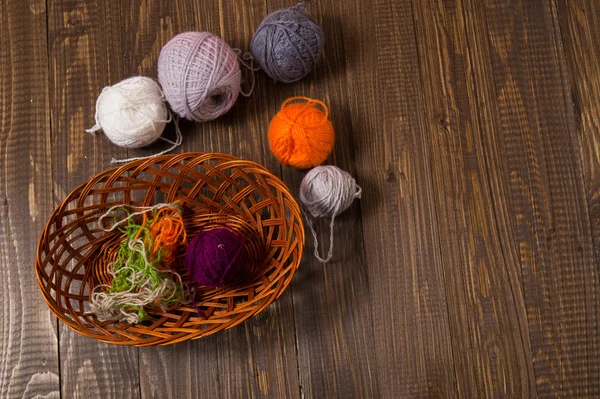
{"x":214,"y":189}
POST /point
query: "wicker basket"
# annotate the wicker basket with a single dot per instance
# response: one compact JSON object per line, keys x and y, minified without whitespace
{"x":215,"y":189}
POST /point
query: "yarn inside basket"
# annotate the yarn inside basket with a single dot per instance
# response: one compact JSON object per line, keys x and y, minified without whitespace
{"x":214,"y":257}
{"x":287,"y":44}
{"x":200,"y":75}
{"x":140,"y":275}
{"x":301,"y":135}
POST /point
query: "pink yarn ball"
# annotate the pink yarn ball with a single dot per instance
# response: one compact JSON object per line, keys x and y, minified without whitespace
{"x":214,"y":257}
{"x":200,"y":75}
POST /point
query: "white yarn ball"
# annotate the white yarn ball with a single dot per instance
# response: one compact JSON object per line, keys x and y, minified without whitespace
{"x":132,"y":113}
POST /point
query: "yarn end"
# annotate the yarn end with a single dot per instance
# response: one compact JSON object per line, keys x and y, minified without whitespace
{"x":93,"y":130}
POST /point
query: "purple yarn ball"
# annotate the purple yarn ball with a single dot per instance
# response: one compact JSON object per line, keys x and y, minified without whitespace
{"x":213,"y":257}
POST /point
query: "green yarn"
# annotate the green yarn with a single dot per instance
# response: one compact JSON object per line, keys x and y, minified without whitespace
{"x":136,"y":279}
{"x":134,"y":260}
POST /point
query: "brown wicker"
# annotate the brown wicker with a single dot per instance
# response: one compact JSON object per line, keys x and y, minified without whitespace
{"x":215,"y":189}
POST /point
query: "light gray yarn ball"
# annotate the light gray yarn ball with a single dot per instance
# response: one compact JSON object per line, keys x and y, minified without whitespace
{"x":327,"y":191}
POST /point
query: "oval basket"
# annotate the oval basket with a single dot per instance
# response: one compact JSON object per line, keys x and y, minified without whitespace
{"x":214,"y":189}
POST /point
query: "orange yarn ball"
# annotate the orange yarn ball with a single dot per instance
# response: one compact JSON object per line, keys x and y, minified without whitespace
{"x":300,"y":135}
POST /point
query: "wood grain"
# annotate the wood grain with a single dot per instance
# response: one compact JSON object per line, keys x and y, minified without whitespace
{"x":406,"y":277}
{"x":85,"y":56}
{"x":334,"y":338}
{"x":482,"y":277}
{"x":28,"y":342}
{"x":580,"y":32}
{"x":548,"y":207}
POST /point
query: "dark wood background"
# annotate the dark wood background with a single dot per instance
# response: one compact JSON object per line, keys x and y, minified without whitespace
{"x":470,"y":268}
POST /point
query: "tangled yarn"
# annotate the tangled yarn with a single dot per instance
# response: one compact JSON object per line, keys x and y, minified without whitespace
{"x":167,"y":233}
{"x":300,"y":135}
{"x":327,"y":191}
{"x":200,"y":75}
{"x":287,"y":44}
{"x":137,"y":281}
{"x":214,"y":256}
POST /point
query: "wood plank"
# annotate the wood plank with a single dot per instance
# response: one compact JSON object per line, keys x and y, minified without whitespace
{"x":190,"y":369}
{"x":482,"y":276}
{"x":332,"y":315}
{"x":405,"y":271}
{"x":546,"y":197}
{"x":264,"y":362}
{"x":28,"y":343}
{"x":86,"y":55}
{"x":579,"y":24}
{"x":257,"y":358}
{"x":580,"y":32}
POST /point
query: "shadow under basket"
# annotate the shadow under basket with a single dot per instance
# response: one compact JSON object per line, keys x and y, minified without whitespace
{"x":73,"y":252}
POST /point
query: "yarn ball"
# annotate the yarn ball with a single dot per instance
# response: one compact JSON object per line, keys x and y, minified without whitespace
{"x":287,"y":44}
{"x":200,"y":75}
{"x":131,"y":113}
{"x":300,"y":135}
{"x":328,"y":191}
{"x":214,"y":257}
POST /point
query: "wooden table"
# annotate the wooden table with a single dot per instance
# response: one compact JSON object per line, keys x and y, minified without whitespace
{"x":470,"y":268}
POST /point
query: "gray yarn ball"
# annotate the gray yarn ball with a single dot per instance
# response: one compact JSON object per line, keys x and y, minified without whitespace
{"x":287,"y":44}
{"x":327,"y":191}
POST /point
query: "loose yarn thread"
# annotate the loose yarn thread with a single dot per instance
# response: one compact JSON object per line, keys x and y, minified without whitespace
{"x":174,"y":144}
{"x":140,"y":210}
{"x":301,"y":135}
{"x":288,"y":44}
{"x":327,"y":191}
{"x":167,"y":230}
{"x":136,"y":280}
{"x":247,"y":61}
{"x":200,"y":75}
{"x":133,"y":114}
{"x":142,"y":286}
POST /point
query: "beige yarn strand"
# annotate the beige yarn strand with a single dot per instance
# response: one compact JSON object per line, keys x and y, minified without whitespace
{"x":247,"y":61}
{"x":316,"y":239}
{"x":140,"y":210}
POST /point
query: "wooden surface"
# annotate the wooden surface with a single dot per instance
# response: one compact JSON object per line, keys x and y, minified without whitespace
{"x":470,"y":268}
